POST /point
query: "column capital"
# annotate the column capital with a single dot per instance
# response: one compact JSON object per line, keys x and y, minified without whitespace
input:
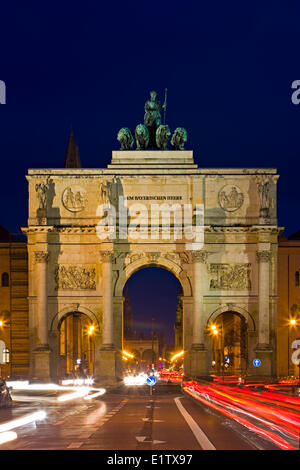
{"x":199,"y":256}
{"x":263,"y":256}
{"x":107,"y":256}
{"x":41,"y":256}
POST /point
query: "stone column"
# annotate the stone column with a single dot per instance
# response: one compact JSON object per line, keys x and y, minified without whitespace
{"x":108,"y":369}
{"x":41,"y":370}
{"x":199,"y":275}
{"x":197,"y":354}
{"x":263,"y":349}
{"x":41,"y":258}
{"x":263,"y":258}
{"x":107,"y":333}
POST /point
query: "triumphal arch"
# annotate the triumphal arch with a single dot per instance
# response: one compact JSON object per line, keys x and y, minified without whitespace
{"x":89,"y":230}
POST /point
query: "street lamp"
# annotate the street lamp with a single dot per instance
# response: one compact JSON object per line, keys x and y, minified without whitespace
{"x":292,"y":322}
{"x":91,"y":346}
{"x":214,"y":332}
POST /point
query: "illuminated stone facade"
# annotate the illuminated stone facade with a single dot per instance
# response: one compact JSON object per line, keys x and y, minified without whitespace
{"x":72,"y":269}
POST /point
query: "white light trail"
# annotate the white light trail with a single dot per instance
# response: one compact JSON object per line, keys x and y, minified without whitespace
{"x":72,"y":396}
{"x":15,"y":423}
{"x":7,"y":436}
{"x":135,"y":380}
{"x":80,"y":387}
{"x":94,"y":395}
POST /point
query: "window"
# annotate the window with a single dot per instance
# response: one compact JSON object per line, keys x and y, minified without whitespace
{"x":5,"y":280}
{"x":297,"y":278}
{"x":2,"y":352}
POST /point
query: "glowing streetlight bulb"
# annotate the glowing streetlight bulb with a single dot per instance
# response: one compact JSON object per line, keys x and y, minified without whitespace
{"x":91,"y":330}
{"x":292,"y":321}
{"x":215,"y":332}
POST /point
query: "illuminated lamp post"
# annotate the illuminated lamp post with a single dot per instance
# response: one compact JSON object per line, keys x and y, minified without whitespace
{"x":292,"y":322}
{"x":91,"y":331}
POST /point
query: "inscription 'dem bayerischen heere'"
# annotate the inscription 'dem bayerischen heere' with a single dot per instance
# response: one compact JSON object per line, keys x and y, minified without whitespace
{"x":153,"y":198}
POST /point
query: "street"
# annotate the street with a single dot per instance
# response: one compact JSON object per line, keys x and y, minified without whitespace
{"x":127,"y":418}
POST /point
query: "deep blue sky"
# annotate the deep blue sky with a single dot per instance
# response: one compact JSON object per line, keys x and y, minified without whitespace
{"x":153,"y":293}
{"x":228,"y":67}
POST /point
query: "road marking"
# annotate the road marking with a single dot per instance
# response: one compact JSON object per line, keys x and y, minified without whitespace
{"x":196,"y":430}
{"x":75,"y":445}
{"x":143,"y":439}
{"x":85,"y":435}
{"x":153,"y":420}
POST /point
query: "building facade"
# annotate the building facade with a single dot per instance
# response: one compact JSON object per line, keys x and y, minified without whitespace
{"x":14,"y":315}
{"x":288,"y":324}
{"x":75,"y":271}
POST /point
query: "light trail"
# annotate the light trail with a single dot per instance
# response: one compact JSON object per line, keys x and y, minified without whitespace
{"x":173,"y":376}
{"x":281,"y":425}
{"x":131,"y":380}
{"x":15,"y":423}
{"x":94,"y":395}
{"x":79,"y":387}
{"x":7,"y":436}
{"x":72,"y":396}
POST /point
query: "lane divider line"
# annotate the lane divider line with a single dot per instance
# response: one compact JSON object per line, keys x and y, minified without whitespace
{"x":201,"y":438}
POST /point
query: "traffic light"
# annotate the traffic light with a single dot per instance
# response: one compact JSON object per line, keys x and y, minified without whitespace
{"x":152,"y":366}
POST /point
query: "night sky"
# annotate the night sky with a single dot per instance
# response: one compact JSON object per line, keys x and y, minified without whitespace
{"x":228,"y":67}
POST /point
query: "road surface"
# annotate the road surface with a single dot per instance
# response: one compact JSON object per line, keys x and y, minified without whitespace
{"x":126,"y":419}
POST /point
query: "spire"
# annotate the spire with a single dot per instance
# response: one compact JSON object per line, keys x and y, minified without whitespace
{"x":72,"y":159}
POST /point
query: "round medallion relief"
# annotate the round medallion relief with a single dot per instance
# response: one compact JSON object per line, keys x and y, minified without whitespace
{"x":230,"y":197}
{"x":74,"y":198}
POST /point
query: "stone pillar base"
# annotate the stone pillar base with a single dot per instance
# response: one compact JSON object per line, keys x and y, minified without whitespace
{"x":265,"y":354}
{"x":195,"y":364}
{"x":41,"y":368}
{"x":108,"y":370}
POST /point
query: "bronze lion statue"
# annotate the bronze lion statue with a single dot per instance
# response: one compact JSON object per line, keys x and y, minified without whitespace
{"x":179,"y":138}
{"x":125,"y":138}
{"x":141,"y":137}
{"x":162,"y":136}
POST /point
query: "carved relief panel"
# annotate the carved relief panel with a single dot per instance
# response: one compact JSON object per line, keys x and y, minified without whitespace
{"x":230,"y":276}
{"x":75,"y":277}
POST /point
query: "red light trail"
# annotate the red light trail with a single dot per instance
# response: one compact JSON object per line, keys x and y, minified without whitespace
{"x":272,"y":415}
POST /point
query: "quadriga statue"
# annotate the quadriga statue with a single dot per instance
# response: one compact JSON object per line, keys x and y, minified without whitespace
{"x":162,"y":136}
{"x":179,"y":138}
{"x":141,"y":137}
{"x":125,"y":138}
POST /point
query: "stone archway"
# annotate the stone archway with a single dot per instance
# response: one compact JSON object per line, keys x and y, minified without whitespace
{"x":135,"y":261}
{"x":228,"y":331}
{"x":175,"y":264}
{"x":76,"y":346}
{"x":70,"y":339}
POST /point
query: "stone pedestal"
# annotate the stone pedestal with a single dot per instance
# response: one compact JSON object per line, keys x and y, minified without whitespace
{"x":196,"y":363}
{"x":109,"y":367}
{"x":265,"y":354}
{"x":41,"y":369}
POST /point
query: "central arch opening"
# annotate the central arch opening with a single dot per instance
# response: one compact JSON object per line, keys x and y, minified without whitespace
{"x":152,"y":319}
